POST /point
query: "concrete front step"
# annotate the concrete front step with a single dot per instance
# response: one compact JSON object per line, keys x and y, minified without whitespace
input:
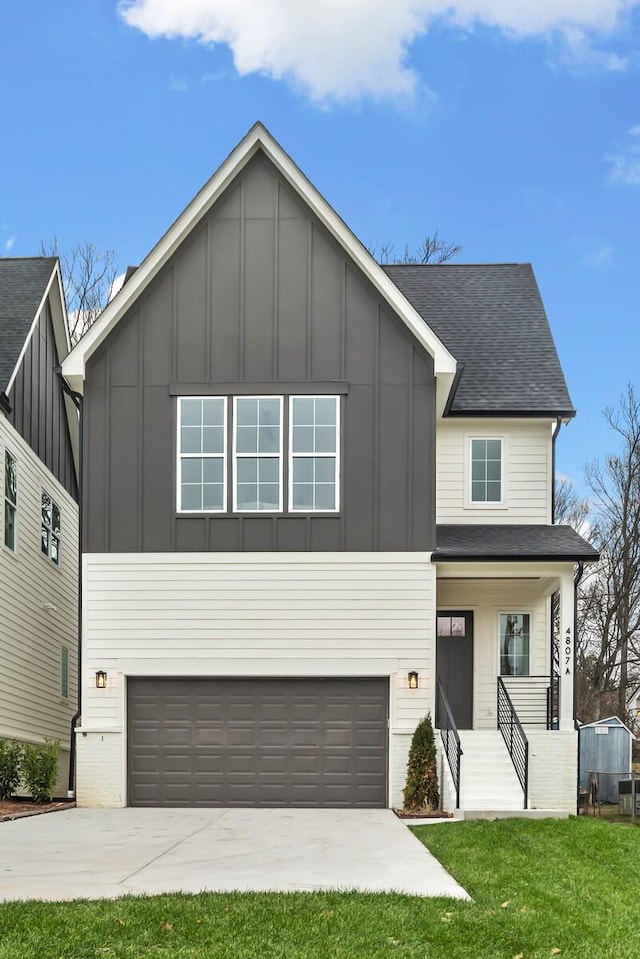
{"x":515,"y":813}
{"x":488,"y":779}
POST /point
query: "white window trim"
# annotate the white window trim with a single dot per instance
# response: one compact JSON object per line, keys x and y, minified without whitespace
{"x":235,"y":455}
{"x":482,"y":504}
{"x":48,"y":555}
{"x":336,"y":455}
{"x":516,"y":611}
{"x":180,"y":456}
{"x":5,"y":499}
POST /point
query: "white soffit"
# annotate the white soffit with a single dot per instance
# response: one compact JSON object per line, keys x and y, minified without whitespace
{"x":257,"y":138}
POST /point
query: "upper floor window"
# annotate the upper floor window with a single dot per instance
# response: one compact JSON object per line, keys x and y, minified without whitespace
{"x":202,"y":441}
{"x":281,"y":453}
{"x":486,"y":470}
{"x":10,"y":501}
{"x":313,"y":472}
{"x":257,"y":460}
{"x":50,"y":529}
{"x":515,"y":640}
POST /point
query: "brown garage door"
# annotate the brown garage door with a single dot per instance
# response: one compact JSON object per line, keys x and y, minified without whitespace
{"x":257,"y":742}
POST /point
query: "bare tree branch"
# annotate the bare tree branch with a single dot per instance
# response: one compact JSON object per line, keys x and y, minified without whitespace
{"x":88,"y":274}
{"x":433,"y":249}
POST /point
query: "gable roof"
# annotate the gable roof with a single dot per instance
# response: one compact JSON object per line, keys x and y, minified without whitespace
{"x":511,"y":542}
{"x":259,"y":139}
{"x":24,"y":283}
{"x":491,"y":317}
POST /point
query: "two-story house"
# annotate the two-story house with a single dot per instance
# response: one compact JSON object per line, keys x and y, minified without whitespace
{"x":39,"y":515}
{"x":312,"y":486}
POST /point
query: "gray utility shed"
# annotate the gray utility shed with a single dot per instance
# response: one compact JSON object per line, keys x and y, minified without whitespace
{"x":605,"y":750}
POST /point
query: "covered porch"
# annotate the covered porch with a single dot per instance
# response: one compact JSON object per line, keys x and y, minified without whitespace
{"x":504,"y":663}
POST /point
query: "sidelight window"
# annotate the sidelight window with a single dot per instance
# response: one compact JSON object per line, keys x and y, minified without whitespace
{"x":515,"y":642}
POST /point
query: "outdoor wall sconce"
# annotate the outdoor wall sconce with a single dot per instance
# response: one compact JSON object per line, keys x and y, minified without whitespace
{"x":101,"y":679}
{"x":413,"y":679}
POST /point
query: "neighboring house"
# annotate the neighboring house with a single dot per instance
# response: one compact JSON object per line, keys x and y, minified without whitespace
{"x":39,"y":516}
{"x":312,"y":485}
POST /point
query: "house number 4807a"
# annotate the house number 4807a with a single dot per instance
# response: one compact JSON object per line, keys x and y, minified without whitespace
{"x":567,"y":652}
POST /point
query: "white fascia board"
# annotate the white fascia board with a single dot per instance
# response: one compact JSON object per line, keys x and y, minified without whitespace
{"x":257,"y":138}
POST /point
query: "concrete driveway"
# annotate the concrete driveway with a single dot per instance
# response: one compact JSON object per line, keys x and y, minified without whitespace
{"x":94,"y":853}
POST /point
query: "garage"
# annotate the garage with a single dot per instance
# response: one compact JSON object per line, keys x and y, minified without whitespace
{"x":258,"y":742}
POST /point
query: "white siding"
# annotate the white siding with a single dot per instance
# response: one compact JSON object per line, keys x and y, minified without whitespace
{"x":343,"y":614}
{"x":527,"y":471}
{"x":487,"y":598}
{"x":38,"y":608}
{"x":553,"y":769}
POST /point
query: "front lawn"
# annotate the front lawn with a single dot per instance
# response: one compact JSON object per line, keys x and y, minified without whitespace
{"x":551,"y":888}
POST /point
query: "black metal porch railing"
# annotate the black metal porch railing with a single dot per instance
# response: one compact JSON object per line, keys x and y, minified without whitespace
{"x":534,"y":698}
{"x":514,"y":737}
{"x":450,"y":737}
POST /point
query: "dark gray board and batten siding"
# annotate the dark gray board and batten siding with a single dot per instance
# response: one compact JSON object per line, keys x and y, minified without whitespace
{"x":38,"y":407}
{"x":260,"y":293}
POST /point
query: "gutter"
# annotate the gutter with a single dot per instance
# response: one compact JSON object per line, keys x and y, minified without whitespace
{"x":77,"y":400}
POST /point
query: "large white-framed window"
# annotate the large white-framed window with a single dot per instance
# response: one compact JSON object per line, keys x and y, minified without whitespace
{"x":202,"y":444}
{"x":515,"y":644}
{"x":314,"y":453}
{"x":10,"y":501}
{"x":50,"y":528}
{"x":486,"y":470}
{"x":257,"y":454}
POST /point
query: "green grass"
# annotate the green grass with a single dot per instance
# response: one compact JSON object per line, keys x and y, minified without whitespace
{"x":571,"y":886}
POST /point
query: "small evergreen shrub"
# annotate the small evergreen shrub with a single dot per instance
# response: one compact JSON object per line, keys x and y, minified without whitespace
{"x":421,"y":790}
{"x":40,"y":769}
{"x":10,"y":765}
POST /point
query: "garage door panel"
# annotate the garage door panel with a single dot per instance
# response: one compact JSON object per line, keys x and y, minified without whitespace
{"x":252,"y":742}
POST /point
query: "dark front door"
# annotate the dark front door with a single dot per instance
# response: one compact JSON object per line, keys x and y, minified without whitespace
{"x":454,"y":664}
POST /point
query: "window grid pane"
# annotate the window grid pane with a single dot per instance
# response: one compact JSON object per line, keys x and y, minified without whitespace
{"x":202,"y":454}
{"x":486,"y":471}
{"x":515,"y":632}
{"x":314,"y":453}
{"x":258,"y":454}
{"x":50,"y":528}
{"x":10,"y":501}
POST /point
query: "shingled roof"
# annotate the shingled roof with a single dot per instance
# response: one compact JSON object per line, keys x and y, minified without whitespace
{"x":491,"y":318}
{"x":511,"y":542}
{"x":23,"y":282}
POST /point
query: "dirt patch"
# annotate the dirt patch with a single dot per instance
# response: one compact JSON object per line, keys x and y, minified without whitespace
{"x":19,"y":808}
{"x":422,"y":814}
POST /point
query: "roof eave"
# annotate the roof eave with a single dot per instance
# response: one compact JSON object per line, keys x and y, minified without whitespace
{"x":442,"y":556}
{"x":564,"y":414}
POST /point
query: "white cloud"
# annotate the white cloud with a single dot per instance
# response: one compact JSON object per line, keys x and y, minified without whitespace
{"x":348,"y":49}
{"x":9,"y":244}
{"x":625,"y":163}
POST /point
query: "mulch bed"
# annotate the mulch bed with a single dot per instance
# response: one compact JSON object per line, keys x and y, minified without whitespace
{"x":20,"y":808}
{"x":422,"y":814}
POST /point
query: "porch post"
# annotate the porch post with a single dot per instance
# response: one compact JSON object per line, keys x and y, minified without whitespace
{"x":567,"y":639}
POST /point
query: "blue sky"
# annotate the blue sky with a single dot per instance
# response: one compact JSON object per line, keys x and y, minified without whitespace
{"x":513,"y":128}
